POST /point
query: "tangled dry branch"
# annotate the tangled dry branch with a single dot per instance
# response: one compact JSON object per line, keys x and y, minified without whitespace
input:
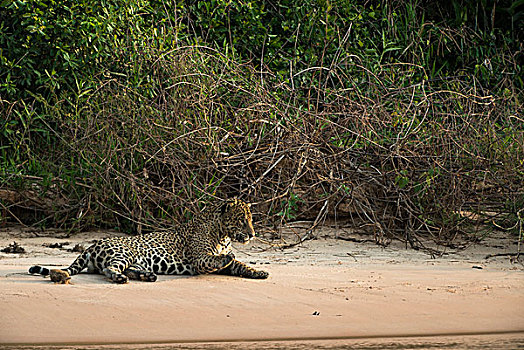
{"x":397,"y":159}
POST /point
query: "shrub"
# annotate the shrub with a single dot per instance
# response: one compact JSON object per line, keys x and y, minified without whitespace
{"x":398,"y":116}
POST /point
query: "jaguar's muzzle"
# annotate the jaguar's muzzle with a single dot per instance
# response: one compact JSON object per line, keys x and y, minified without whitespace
{"x":248,"y":235}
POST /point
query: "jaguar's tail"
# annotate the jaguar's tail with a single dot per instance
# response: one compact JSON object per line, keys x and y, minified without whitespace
{"x":76,"y":267}
{"x":39,"y":270}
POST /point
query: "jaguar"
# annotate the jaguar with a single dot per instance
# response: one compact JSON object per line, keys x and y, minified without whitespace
{"x":199,"y":246}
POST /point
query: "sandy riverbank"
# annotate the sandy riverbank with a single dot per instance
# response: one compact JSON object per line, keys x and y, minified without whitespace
{"x":323,"y":288}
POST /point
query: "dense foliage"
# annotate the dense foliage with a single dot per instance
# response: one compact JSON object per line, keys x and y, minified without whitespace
{"x":405,"y":116}
{"x":50,"y":45}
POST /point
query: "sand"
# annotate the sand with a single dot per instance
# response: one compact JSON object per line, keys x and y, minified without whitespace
{"x":321,"y":289}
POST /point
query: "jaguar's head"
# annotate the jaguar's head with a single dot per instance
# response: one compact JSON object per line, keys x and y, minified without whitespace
{"x":237,"y":221}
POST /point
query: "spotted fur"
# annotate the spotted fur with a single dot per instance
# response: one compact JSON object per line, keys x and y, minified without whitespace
{"x":203,"y":245}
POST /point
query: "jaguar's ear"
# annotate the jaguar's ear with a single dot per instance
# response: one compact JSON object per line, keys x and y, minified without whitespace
{"x":249,"y":205}
{"x":223,"y":208}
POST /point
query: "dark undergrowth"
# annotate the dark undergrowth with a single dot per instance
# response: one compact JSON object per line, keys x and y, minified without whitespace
{"x":404,"y":119}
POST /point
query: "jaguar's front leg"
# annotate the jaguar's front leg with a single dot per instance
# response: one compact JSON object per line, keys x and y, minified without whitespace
{"x":237,"y":268}
{"x":209,"y":263}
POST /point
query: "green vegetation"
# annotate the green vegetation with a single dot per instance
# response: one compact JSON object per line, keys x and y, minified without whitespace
{"x":405,"y":117}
